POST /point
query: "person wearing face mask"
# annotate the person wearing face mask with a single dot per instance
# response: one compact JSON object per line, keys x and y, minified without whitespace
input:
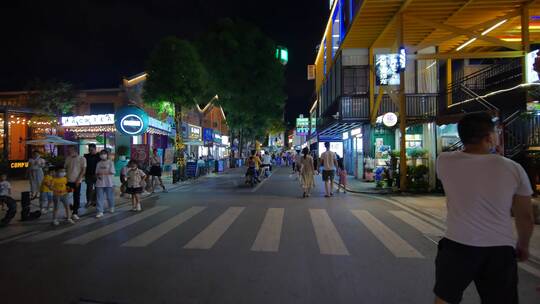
{"x":35,"y":173}
{"x":75,"y":166}
{"x":482,"y":191}
{"x":90,"y":178}
{"x":60,"y":195}
{"x":104,"y":183}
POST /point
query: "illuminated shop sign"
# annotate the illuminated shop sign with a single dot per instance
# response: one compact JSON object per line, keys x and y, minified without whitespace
{"x":302,"y":126}
{"x":131,"y":121}
{"x":208,"y":135}
{"x":217,"y":138}
{"x":388,"y":66}
{"x":18,"y":165}
{"x":194,"y":132}
{"x":88,"y":120}
{"x":158,"y":124}
{"x":389,"y":119}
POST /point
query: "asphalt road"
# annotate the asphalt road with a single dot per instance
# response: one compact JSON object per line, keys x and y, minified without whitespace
{"x":217,"y":241}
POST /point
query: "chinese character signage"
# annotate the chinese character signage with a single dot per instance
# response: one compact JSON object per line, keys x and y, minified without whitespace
{"x":302,"y":126}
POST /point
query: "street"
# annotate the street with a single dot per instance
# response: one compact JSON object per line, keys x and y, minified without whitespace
{"x":217,"y":241}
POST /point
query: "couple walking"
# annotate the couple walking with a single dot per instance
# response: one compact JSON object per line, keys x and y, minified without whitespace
{"x":307,"y":170}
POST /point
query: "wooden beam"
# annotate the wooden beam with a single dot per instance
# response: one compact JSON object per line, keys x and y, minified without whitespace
{"x":389,"y":24}
{"x":485,"y":25}
{"x":371,"y":72}
{"x":375,"y":109}
{"x":458,"y":55}
{"x":448,"y":81}
{"x":525,"y":40}
{"x":464,"y":32}
{"x":402,"y":111}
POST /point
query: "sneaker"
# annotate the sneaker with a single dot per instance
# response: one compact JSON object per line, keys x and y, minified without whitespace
{"x":138,"y":207}
{"x":75,"y":217}
{"x":134,"y":209}
{"x":165,"y":190}
{"x":71,"y":221}
{"x":44,"y":211}
{"x":100,"y":214}
{"x":111,"y":210}
{"x":56,"y":223}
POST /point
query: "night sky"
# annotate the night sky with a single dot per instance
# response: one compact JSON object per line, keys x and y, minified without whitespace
{"x":92,"y":44}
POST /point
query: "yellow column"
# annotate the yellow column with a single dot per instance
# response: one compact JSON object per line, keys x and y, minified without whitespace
{"x":448,"y":81}
{"x":402,"y":114}
{"x":371,"y":79}
{"x":525,"y":43}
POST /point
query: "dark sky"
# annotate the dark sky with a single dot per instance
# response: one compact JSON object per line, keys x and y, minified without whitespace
{"x":94,"y":43}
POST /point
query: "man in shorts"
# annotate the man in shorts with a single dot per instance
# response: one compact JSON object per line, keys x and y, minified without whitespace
{"x":482,"y":190}
{"x":329,"y":164}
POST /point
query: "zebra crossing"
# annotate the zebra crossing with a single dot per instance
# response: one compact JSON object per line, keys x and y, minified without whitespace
{"x":268,"y":237}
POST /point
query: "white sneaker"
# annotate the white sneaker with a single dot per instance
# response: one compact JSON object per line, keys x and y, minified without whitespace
{"x":139,"y":207}
{"x":75,"y":217}
{"x":100,"y":214}
{"x":111,"y":210}
{"x":70,"y":221}
{"x":44,"y":211}
{"x":134,"y":209}
{"x":56,"y":223}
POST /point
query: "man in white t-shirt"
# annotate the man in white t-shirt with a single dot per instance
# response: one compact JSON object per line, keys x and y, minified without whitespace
{"x":482,"y":189}
{"x":329,"y":163}
{"x":76,"y":168}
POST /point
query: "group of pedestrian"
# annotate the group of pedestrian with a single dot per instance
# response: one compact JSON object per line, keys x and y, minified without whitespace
{"x":62,"y":185}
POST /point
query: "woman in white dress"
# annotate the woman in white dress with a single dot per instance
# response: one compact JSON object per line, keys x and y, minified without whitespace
{"x":306,"y":172}
{"x":35,"y":173}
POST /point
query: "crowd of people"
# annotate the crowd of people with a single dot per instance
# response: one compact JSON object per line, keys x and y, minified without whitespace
{"x":304,"y":164}
{"x":61,"y":185}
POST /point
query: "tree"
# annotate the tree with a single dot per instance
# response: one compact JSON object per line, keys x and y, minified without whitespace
{"x":176,"y":77}
{"x":55,"y":97}
{"x":244,"y":72}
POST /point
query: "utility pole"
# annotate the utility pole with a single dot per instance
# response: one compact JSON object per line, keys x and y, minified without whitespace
{"x":402,"y":112}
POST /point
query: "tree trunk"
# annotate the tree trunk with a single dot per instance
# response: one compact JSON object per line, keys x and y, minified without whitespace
{"x":179,"y":142}
{"x":241,"y":144}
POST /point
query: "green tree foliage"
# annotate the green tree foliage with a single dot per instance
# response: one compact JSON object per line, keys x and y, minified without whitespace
{"x":244,"y":72}
{"x":55,"y":97}
{"x":176,"y":77}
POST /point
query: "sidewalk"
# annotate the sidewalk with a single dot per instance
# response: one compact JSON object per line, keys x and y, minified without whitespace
{"x":359,"y":186}
{"x":435,"y":206}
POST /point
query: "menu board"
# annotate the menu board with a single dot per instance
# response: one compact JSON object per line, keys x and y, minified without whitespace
{"x":191,"y":169}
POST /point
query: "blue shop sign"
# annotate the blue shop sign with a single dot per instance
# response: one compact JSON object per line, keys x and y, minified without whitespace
{"x":131,"y":120}
{"x":208,"y":135}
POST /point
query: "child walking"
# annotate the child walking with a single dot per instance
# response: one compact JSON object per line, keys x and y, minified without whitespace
{"x":342,"y":178}
{"x":135,"y":178}
{"x":60,"y":195}
{"x":46,"y":195}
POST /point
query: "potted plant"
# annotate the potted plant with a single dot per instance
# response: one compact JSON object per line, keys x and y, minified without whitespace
{"x":122,"y":152}
{"x":416,"y":154}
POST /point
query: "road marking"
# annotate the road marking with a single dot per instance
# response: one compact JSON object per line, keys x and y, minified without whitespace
{"x":417,"y":223}
{"x":58,"y":231}
{"x":211,"y":234}
{"x":160,"y":230}
{"x":326,"y":233}
{"x":108,"y":229}
{"x":398,"y":246}
{"x":530,"y":269}
{"x":20,"y":236}
{"x":270,"y":231}
{"x":263,"y":181}
{"x":426,"y":218}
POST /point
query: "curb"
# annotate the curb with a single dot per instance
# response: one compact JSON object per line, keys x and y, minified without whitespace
{"x":366,"y":192}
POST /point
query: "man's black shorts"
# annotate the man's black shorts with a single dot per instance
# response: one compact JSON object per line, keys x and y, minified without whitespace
{"x":492,"y":269}
{"x":328,"y":175}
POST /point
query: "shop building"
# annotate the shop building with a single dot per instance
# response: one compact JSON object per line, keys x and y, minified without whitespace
{"x":427,"y":66}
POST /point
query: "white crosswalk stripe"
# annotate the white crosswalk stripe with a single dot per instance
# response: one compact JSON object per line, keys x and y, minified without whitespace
{"x":211,"y":234}
{"x":393,"y":242}
{"x":326,"y":233}
{"x":160,"y":230}
{"x":270,"y":231}
{"x":58,"y":231}
{"x":108,"y":229}
{"x":417,"y":223}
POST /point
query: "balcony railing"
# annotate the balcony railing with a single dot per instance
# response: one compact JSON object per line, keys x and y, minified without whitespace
{"x":356,"y":107}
